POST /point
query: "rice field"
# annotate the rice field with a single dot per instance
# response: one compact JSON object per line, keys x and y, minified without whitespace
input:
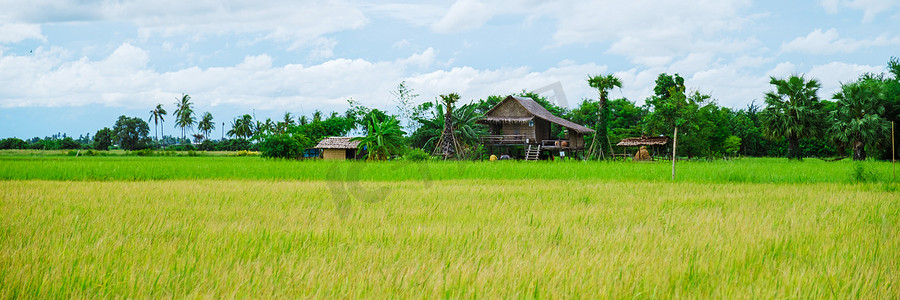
{"x":244,"y":227}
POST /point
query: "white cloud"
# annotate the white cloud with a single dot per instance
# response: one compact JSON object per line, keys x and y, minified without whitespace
{"x":870,"y":8}
{"x":831,"y":75}
{"x":782,"y":69}
{"x":17,"y":32}
{"x":830,"y":6}
{"x":464,"y":15}
{"x":646,"y":28}
{"x":417,"y":14}
{"x":281,"y":20}
{"x":829,"y":42}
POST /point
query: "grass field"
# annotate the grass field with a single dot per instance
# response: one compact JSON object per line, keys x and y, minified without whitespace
{"x":243,"y":227}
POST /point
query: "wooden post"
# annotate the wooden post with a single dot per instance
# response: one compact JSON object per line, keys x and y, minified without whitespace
{"x":893,"y":154}
{"x":674,"y":144}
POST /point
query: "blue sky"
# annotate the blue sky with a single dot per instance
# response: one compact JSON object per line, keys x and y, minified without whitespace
{"x":75,"y":66}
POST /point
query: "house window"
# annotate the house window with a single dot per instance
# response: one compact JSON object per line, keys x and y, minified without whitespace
{"x":531,"y":123}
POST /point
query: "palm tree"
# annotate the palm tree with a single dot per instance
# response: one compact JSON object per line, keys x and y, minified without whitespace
{"x":603,"y":83}
{"x":858,"y":119}
{"x":241,"y":127}
{"x":384,"y":139}
{"x":206,"y":124}
{"x":156,"y":115}
{"x":468,"y":133}
{"x":184,"y":114}
{"x":793,"y":111}
{"x":283,"y":126}
{"x":448,"y":145}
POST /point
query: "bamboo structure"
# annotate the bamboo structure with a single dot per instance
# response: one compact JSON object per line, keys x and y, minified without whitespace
{"x":674,"y":144}
{"x":448,"y":145}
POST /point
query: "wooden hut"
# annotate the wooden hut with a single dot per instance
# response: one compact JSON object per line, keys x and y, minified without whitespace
{"x":652,"y":141}
{"x":338,"y":148}
{"x":518,"y":121}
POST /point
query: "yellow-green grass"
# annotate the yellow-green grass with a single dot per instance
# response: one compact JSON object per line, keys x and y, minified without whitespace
{"x":462,"y":238}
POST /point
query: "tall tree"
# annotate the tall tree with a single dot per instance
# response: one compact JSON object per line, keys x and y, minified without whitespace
{"x":405,"y":100}
{"x":858,"y":121}
{"x":131,"y":133}
{"x":157,"y":116}
{"x":206,"y":124}
{"x":603,"y":83}
{"x":184,"y":114}
{"x":104,"y":138}
{"x":793,"y":111}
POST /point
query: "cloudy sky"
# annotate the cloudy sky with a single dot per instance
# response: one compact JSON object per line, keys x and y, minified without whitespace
{"x":75,"y":66}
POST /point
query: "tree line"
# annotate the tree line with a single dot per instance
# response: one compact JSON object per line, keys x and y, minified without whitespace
{"x":792,"y":121}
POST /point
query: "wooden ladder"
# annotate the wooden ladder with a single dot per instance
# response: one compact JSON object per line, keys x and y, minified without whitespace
{"x":532,"y":153}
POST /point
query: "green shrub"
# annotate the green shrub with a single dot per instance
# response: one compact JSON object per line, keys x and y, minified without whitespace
{"x":13,"y":143}
{"x":860,"y":173}
{"x":208,"y":145}
{"x":144,"y":152}
{"x":416,"y":154}
{"x":180,"y":147}
{"x":281,"y":146}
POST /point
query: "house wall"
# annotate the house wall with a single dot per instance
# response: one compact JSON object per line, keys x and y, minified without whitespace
{"x":519,"y":128}
{"x":541,"y":130}
{"x":334,"y":154}
{"x":576,"y":140}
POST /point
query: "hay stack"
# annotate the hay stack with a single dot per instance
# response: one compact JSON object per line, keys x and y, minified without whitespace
{"x":642,"y":155}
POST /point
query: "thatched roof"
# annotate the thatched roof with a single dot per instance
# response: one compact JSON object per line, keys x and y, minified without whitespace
{"x":644,"y":141}
{"x":535,"y":110}
{"x":337,"y":142}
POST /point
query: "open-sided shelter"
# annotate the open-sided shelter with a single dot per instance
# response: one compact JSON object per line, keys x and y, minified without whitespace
{"x":653,"y":141}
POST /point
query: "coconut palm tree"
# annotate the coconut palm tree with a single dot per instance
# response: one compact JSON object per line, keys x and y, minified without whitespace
{"x":241,"y":127}
{"x":603,"y":83}
{"x":858,"y":121}
{"x":206,"y":124}
{"x":184,"y":114}
{"x":793,"y":111}
{"x":156,"y":115}
{"x":283,"y":126}
{"x":385,"y":139}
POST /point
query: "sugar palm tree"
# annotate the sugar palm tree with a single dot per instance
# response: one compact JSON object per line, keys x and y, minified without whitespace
{"x":858,"y":121}
{"x":206,"y":124}
{"x":448,"y":145}
{"x":603,"y":83}
{"x":385,"y":139}
{"x":467,"y":131}
{"x":156,"y":115}
{"x":793,"y":111}
{"x":184,"y":114}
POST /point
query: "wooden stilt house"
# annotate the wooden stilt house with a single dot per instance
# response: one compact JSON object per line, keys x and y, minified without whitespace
{"x":518,"y":121}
